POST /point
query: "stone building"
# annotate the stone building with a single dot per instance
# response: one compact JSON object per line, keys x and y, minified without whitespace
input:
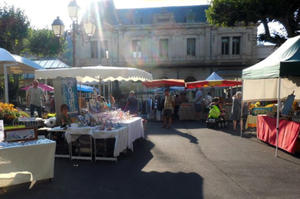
{"x":169,"y":42}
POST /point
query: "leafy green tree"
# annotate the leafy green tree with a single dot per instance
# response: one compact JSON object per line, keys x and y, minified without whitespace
{"x":43,"y":43}
{"x":249,"y":12}
{"x":14,"y":27}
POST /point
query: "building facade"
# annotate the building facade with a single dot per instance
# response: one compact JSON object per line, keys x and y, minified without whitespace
{"x":169,"y":42}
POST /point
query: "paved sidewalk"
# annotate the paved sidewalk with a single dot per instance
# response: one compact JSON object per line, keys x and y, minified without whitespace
{"x":185,"y":162}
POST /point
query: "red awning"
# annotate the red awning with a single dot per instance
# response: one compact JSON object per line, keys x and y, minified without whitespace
{"x":164,"y":83}
{"x":213,"y":83}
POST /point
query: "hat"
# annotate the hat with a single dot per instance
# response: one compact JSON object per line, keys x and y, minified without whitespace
{"x":131,"y":92}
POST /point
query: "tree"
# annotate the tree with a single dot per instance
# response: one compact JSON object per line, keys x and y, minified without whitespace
{"x":249,"y":12}
{"x":43,"y":43}
{"x":14,"y":27}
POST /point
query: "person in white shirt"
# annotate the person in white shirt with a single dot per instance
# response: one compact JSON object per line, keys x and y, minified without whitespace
{"x":34,"y":98}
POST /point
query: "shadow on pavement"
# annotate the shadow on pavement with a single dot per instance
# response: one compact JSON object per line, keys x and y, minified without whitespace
{"x":157,"y":129}
{"x":123,"y":179}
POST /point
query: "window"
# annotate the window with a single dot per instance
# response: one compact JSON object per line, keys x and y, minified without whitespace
{"x":136,"y":49}
{"x":94,"y":49}
{"x":190,"y":17}
{"x":104,"y":50}
{"x":163,"y":47}
{"x":236,"y":42}
{"x":225,"y":45}
{"x":191,"y":47}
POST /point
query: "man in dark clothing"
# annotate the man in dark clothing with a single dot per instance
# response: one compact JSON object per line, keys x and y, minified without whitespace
{"x":132,"y":104}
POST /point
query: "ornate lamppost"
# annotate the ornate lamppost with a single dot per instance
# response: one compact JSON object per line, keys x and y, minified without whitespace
{"x":88,"y":26}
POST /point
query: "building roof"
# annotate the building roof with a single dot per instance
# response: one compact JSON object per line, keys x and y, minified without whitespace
{"x":51,"y":63}
{"x":109,"y":14}
{"x":146,"y":15}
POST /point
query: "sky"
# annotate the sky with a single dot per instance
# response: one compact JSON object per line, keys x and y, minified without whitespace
{"x":41,"y":13}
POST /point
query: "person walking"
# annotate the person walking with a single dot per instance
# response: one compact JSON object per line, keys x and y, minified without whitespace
{"x":34,"y":98}
{"x":236,"y":109}
{"x":199,"y":103}
{"x":169,"y":105}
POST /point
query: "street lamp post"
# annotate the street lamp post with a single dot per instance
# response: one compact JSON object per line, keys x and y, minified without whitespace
{"x":88,"y":26}
{"x":73,"y":9}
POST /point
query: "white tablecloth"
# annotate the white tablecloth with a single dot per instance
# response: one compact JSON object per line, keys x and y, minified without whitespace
{"x":72,"y":133}
{"x":135,"y":130}
{"x":26,"y":162}
{"x":120,"y":134}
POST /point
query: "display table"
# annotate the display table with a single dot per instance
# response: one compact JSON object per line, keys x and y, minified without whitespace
{"x":22,"y":162}
{"x":251,"y":121}
{"x":288,"y":132}
{"x":135,"y":130}
{"x":73,"y":133}
{"x":121,"y":143}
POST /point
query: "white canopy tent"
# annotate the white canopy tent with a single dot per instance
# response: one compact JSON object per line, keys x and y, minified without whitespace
{"x":103,"y":73}
{"x":14,"y":64}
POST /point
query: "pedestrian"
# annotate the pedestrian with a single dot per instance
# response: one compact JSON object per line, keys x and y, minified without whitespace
{"x":112,"y":101}
{"x":198,"y":101}
{"x":34,"y":98}
{"x":236,"y":110}
{"x":169,"y":105}
{"x":132,"y":103}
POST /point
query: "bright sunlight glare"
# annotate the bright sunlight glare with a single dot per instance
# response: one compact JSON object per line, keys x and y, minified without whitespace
{"x":41,"y":13}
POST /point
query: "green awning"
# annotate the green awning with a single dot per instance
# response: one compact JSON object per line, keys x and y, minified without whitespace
{"x":285,"y":61}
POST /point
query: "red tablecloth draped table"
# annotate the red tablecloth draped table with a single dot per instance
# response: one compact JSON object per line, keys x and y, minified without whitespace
{"x":288,"y":132}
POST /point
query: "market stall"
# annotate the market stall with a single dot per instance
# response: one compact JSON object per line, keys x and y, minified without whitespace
{"x":99,"y":125}
{"x":23,"y":162}
{"x":14,"y":64}
{"x":121,"y":126}
{"x":215,"y":81}
{"x":287,"y":136}
{"x":275,"y":78}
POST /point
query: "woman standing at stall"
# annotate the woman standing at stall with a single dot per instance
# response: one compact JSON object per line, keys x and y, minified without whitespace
{"x":236,"y":109}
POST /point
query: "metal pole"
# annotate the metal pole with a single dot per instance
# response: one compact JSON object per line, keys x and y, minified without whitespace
{"x":80,"y":94}
{"x":278,"y":112}
{"x":74,"y":43}
{"x":5,"y":83}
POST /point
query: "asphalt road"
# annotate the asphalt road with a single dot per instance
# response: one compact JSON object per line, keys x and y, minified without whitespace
{"x":185,"y":162}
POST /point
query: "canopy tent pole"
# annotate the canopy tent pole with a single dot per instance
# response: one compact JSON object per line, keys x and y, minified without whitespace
{"x":47,"y":95}
{"x":100,"y":89}
{"x":80,"y":97}
{"x":278,"y":112}
{"x":5,"y":83}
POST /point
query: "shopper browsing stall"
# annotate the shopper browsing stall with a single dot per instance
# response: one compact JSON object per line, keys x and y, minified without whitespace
{"x":168,"y":109}
{"x":132,"y":103}
{"x":34,"y":98}
{"x":236,"y":109}
{"x":101,"y":104}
